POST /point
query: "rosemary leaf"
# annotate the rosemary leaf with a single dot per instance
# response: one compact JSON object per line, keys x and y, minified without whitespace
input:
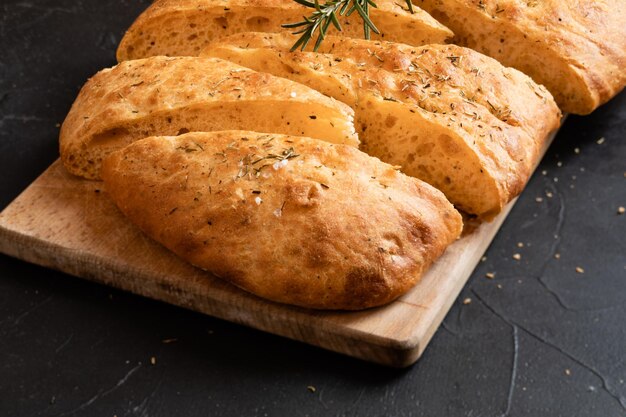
{"x":325,"y":14}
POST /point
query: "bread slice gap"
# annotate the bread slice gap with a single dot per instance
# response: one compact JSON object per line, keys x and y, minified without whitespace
{"x":171,"y":96}
{"x":185,"y":27}
{"x":291,"y":219}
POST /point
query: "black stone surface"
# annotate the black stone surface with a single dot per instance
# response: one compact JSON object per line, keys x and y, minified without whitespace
{"x":538,"y":340}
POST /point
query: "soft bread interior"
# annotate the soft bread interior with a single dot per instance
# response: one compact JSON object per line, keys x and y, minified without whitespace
{"x":404,"y":136}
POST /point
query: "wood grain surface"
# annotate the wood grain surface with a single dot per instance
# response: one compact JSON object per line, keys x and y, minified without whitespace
{"x":67,"y":223}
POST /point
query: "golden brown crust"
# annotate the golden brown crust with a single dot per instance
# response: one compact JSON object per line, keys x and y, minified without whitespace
{"x":576,"y":48}
{"x":169,"y":96}
{"x":185,"y":27}
{"x":291,"y":219}
{"x":448,"y":115}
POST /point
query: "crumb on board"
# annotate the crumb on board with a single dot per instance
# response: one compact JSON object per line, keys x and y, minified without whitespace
{"x":576,"y":151}
{"x":153,"y":360}
{"x":467,"y":301}
{"x":490,"y":275}
{"x":549,"y":194}
{"x":621,"y":210}
{"x":600,"y":141}
{"x":568,"y":372}
{"x":557,"y":256}
{"x":539,"y":199}
{"x":580,"y":270}
{"x":170,"y":340}
{"x":311,"y":388}
{"x":520,"y":244}
{"x":517,"y":256}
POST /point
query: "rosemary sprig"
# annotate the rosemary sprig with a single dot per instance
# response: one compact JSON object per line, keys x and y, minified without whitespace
{"x":326,"y":14}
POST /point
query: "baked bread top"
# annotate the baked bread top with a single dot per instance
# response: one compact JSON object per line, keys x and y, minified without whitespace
{"x":291,"y":219}
{"x":185,"y":27}
{"x":446,"y":114}
{"x":576,"y":48}
{"x":169,"y":96}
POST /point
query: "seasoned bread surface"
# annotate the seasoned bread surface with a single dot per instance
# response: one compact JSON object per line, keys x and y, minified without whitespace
{"x":291,"y":219}
{"x":185,"y":27}
{"x":170,"y":96}
{"x":576,"y":48}
{"x":448,"y":115}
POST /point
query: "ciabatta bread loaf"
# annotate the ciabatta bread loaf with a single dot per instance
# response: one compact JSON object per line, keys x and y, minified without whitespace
{"x":576,"y":48}
{"x":290,"y":219}
{"x":446,"y":114}
{"x":185,"y":27}
{"x":170,"y":96}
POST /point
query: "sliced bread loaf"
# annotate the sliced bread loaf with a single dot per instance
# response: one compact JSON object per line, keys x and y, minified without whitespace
{"x":170,"y":96}
{"x":290,"y":219}
{"x":446,"y":114}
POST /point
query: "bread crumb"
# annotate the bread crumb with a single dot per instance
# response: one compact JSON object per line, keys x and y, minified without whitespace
{"x":621,"y":210}
{"x":499,"y":286}
{"x":544,"y":172}
{"x":557,"y":256}
{"x":568,"y":372}
{"x":258,"y":201}
{"x":576,"y":151}
{"x":153,"y":360}
{"x":549,"y":194}
{"x":539,"y":199}
{"x":517,"y":256}
{"x":171,"y":340}
{"x":483,"y":259}
{"x":490,"y":275}
{"x":580,"y":270}
{"x":467,"y":301}
{"x":57,"y":125}
{"x":600,"y":141}
{"x":520,"y":244}
{"x":311,"y":388}
{"x":559,"y":164}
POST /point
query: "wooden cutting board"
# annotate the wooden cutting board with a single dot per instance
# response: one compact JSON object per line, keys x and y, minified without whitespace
{"x":69,"y":224}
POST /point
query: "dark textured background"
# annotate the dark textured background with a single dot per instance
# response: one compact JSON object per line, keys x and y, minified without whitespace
{"x":539,"y":340}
